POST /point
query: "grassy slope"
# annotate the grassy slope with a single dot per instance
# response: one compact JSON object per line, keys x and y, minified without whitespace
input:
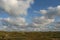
{"x":28,"y":35}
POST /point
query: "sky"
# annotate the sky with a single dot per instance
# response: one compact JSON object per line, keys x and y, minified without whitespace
{"x":30,"y":15}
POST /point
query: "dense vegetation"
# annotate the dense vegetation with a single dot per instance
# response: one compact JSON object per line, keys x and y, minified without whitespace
{"x":28,"y":35}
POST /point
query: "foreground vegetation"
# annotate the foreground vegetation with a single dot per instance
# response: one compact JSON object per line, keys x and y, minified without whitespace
{"x":29,"y":35}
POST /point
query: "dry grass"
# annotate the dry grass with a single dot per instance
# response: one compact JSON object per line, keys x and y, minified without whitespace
{"x":28,"y":35}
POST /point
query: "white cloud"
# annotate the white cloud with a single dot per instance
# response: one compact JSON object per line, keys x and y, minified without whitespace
{"x":54,"y":26}
{"x":38,"y":24}
{"x":15,"y":7}
{"x":50,"y":12}
{"x":47,"y":21}
{"x":17,"y":21}
{"x":43,"y":11}
{"x":12,"y":24}
{"x":42,"y":21}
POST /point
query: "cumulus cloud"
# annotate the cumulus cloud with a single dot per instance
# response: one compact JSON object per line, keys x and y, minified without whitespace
{"x":10,"y":24}
{"x":15,"y":7}
{"x":17,"y":21}
{"x":51,"y":12}
{"x":19,"y":24}
{"x":41,"y":21}
{"x":38,"y":24}
{"x":48,"y":20}
{"x":56,"y":26}
{"x":43,"y":11}
{"x":18,"y":7}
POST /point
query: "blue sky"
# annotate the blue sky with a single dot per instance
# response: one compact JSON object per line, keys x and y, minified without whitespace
{"x":41,"y":4}
{"x":40,"y":12}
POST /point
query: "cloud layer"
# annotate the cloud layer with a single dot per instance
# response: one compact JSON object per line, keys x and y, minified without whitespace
{"x":42,"y":21}
{"x":15,"y":7}
{"x":51,"y":12}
